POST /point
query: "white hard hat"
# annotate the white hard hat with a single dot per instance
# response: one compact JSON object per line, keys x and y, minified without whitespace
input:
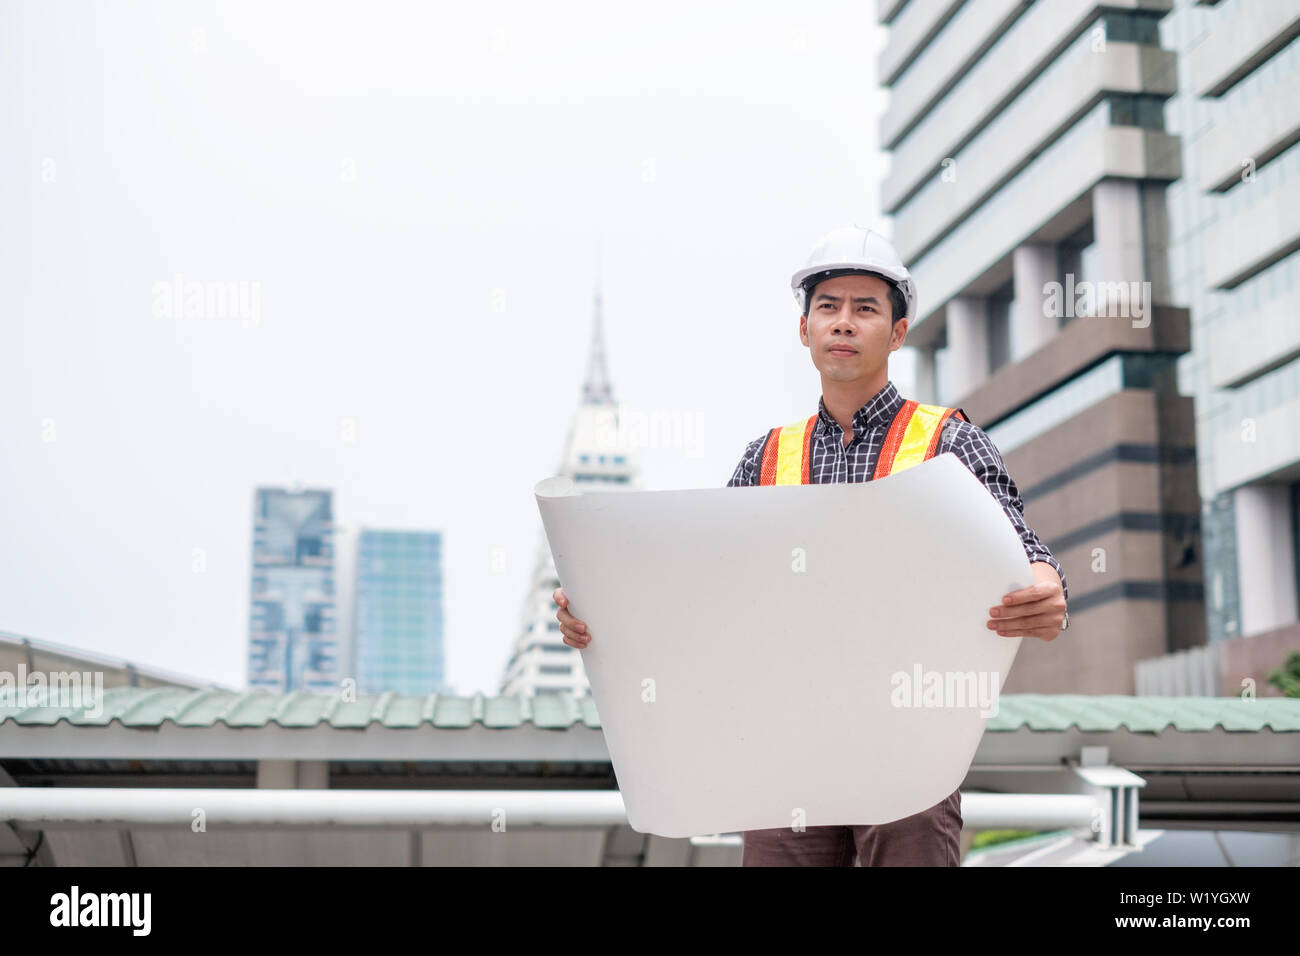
{"x":851,"y":249}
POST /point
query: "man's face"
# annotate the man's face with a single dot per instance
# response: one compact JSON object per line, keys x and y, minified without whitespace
{"x":850,"y":329}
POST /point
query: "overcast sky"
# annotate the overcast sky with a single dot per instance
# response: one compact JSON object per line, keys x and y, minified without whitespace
{"x":410,"y":197}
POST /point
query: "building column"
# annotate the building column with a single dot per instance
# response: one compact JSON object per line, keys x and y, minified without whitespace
{"x":924,"y":387}
{"x":1117,"y":228}
{"x":1265,"y":557}
{"x":1155,"y":241}
{"x":968,"y":346}
{"x":1032,"y":326}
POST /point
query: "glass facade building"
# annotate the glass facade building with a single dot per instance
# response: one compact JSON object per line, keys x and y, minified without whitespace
{"x":293,"y":637}
{"x":398,"y":633}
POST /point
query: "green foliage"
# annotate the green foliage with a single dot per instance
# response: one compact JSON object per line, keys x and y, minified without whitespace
{"x":991,"y":837}
{"x":1287,"y":677}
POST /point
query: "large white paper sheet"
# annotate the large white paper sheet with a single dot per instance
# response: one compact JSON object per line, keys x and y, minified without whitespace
{"x":789,"y":655}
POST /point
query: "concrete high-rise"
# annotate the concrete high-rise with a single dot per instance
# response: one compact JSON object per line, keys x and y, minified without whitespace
{"x":1028,"y":190}
{"x":1234,"y":257}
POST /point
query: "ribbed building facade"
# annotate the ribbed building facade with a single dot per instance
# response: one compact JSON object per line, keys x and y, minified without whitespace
{"x":1234,"y":236}
{"x":1030,"y":169}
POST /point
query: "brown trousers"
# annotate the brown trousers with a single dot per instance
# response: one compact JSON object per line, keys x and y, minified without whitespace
{"x":929,"y":838}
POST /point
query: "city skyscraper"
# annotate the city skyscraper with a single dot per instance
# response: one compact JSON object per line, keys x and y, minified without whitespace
{"x":1028,"y":184}
{"x":541,"y":662}
{"x":397,"y":642}
{"x":1234,"y":254}
{"x":293,"y":635}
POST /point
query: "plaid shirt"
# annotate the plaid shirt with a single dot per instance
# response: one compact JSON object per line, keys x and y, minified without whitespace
{"x":832,"y":461}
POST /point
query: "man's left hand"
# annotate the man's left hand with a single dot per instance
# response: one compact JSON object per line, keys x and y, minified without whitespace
{"x":1035,"y":611}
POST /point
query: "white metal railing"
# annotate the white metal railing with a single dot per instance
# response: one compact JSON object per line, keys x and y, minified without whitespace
{"x":39,"y":807}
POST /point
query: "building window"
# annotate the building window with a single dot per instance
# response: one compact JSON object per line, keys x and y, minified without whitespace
{"x":1133,"y":27}
{"x":1151,"y":370}
{"x":274,"y":617}
{"x":1148,"y":112}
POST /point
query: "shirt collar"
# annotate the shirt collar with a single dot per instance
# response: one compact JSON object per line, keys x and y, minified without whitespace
{"x":880,"y":409}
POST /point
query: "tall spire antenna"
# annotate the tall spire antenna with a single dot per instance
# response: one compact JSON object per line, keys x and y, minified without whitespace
{"x":596,"y":389}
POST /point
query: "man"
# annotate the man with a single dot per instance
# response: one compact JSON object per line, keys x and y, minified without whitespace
{"x":856,"y":300}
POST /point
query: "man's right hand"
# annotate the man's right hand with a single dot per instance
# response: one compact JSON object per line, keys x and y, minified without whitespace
{"x":574,"y":630}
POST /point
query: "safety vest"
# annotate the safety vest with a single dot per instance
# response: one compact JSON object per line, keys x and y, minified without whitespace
{"x":913,"y":437}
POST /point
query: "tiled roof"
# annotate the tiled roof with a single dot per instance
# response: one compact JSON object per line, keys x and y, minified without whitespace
{"x":1103,"y":713}
{"x":151,"y":707}
{"x":138,"y":707}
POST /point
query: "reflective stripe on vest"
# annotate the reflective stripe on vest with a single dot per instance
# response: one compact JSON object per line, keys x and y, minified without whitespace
{"x":912,"y":438}
{"x":787,"y":454}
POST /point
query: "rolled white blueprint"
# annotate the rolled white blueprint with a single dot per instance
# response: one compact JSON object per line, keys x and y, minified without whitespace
{"x":789,"y":655}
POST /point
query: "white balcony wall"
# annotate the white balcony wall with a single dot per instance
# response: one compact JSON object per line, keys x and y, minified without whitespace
{"x":1260,"y":129}
{"x":1067,"y":170}
{"x":1245,"y":35}
{"x":1074,"y":83}
{"x":1026,"y":49}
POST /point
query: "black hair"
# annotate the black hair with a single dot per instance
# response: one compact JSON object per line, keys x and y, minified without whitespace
{"x":897,"y":302}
